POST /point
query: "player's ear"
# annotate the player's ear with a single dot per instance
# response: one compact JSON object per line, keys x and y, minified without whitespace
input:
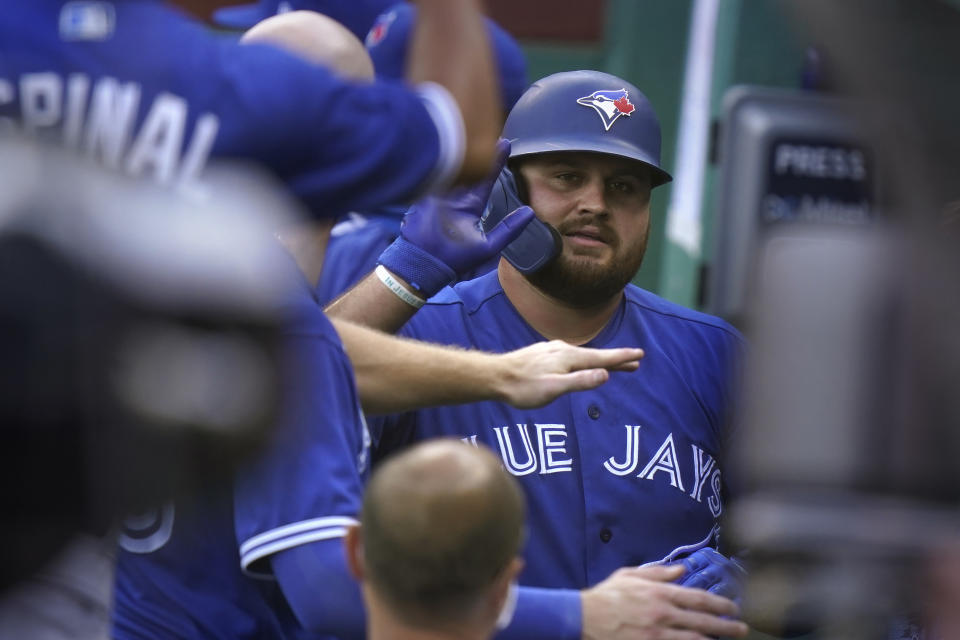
{"x":515,"y":567}
{"x":353,"y":547}
{"x":504,"y":593}
{"x":523,"y":192}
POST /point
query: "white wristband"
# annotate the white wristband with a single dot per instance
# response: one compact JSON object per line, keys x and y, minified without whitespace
{"x":401,"y":291}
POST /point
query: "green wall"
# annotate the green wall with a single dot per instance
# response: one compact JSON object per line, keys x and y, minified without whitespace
{"x":757,"y":44}
{"x":646,"y":43}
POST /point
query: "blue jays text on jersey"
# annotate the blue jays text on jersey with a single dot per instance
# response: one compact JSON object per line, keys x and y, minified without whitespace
{"x":618,"y":476}
{"x":146,"y":90}
{"x":184,"y":570}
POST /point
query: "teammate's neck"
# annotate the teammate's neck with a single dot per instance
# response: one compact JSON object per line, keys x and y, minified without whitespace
{"x":381,"y":625}
{"x":307,"y":243}
{"x":550,"y":317}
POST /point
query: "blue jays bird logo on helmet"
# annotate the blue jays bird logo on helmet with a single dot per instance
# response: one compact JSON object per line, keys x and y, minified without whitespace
{"x":609,"y":104}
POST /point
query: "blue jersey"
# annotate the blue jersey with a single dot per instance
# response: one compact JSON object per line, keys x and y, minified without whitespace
{"x":145,"y":90}
{"x":353,"y":249}
{"x":200,"y":567}
{"x":355,"y":246}
{"x":618,"y":476}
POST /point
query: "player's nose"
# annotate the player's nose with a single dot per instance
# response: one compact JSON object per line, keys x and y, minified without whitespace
{"x":592,"y":196}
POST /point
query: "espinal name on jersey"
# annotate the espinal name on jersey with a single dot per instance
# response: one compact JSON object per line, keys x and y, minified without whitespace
{"x":98,"y":118}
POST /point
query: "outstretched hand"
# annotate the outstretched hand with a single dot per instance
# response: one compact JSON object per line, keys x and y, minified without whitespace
{"x":441,"y":237}
{"x":538,"y":374}
{"x":644,"y":603}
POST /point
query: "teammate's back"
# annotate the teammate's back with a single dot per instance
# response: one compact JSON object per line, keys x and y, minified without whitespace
{"x":143,"y":89}
{"x":147,"y":90}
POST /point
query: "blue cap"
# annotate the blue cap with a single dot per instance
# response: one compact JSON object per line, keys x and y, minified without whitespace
{"x":355,"y":15}
{"x":389,"y":39}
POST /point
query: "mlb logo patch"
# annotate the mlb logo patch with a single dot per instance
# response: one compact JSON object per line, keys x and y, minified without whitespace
{"x":379,"y":30}
{"x":610,"y":105}
{"x":87,"y":21}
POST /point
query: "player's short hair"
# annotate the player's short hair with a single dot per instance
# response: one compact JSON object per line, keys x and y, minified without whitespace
{"x":441,"y":521}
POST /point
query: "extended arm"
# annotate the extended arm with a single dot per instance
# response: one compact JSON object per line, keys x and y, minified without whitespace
{"x":644,"y":602}
{"x":396,"y":374}
{"x":372,"y":304}
{"x":631,"y":603}
{"x":321,"y":592}
{"x":326,"y":599}
{"x":450,"y":47}
{"x":441,"y":239}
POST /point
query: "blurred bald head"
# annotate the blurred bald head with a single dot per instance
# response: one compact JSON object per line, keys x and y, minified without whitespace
{"x":322,"y":41}
{"x":316,"y":38}
{"x":442,"y":524}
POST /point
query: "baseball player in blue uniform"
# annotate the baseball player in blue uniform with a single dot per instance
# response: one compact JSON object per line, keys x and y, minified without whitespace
{"x":211,"y":564}
{"x":630,"y":474}
{"x":263,"y":558}
{"x":178,"y":573}
{"x":141,"y":87}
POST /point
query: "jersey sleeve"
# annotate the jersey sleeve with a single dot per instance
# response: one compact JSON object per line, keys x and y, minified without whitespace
{"x":341,"y":145}
{"x":307,"y":486}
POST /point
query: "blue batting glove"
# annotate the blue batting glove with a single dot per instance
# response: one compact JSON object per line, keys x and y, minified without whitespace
{"x":712,"y":571}
{"x":441,"y":237}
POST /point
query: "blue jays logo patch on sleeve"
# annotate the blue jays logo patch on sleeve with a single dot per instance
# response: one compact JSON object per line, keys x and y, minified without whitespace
{"x":87,"y":20}
{"x":379,"y":30}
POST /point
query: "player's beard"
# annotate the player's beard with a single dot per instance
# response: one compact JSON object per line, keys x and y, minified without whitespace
{"x":582,"y":283}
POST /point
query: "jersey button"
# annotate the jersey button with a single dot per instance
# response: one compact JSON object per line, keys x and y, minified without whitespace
{"x":593,"y":411}
{"x":605,"y":535}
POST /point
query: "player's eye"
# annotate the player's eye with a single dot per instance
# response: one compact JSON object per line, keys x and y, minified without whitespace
{"x":568,"y":178}
{"x":626,"y":187}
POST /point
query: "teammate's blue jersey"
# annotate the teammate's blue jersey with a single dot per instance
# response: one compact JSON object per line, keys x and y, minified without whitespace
{"x":618,"y":476}
{"x":200,"y":567}
{"x":355,"y":246}
{"x":353,"y":249}
{"x":146,"y":90}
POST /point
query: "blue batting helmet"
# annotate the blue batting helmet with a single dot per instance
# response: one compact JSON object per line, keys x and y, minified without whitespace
{"x":586,"y":111}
